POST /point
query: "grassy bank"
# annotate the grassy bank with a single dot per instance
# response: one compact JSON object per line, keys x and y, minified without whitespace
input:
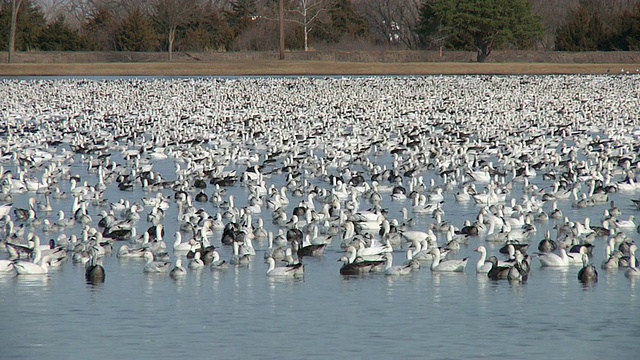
{"x":291,"y":67}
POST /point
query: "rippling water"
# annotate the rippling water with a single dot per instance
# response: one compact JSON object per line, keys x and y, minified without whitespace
{"x":240,"y":313}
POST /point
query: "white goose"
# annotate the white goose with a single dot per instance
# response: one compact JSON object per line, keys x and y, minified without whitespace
{"x":155,"y":266}
{"x":179,"y":246}
{"x":554,"y":260}
{"x":482,"y":267}
{"x":294,"y":270}
{"x":389,"y":269}
{"x":446,"y":265}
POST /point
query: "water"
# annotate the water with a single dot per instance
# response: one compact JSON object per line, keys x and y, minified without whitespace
{"x":241,"y":313}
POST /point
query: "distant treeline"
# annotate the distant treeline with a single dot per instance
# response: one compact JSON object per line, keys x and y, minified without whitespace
{"x":252,"y":25}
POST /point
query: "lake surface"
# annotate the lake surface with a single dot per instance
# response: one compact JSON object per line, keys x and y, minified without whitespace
{"x":241,"y":313}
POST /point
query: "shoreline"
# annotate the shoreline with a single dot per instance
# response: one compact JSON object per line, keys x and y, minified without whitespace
{"x":309,"y":68}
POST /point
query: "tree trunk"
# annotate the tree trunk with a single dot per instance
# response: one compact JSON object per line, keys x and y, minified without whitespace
{"x":484,"y":49}
{"x":172,"y":37}
{"x":306,"y":37}
{"x":482,"y":55}
{"x":15,"y":6}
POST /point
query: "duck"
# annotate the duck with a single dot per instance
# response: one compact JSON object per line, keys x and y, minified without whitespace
{"x":293,"y":270}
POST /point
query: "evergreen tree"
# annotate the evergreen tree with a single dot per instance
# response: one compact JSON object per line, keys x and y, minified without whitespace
{"x":58,"y":36}
{"x":633,"y":37}
{"x":343,"y":22}
{"x":482,"y":24}
{"x":208,"y":31}
{"x":30,"y":23}
{"x":99,"y":31}
{"x":136,"y":33}
{"x":242,"y":15}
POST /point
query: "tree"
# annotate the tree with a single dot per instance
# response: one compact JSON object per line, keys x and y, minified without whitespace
{"x":391,"y":22}
{"x":485,"y":24}
{"x":15,"y":7}
{"x":169,"y":14}
{"x":207,"y":30}
{"x":100,"y":31}
{"x":57,"y":36}
{"x":29,"y":23}
{"x":583,"y":31}
{"x":306,"y":14}
{"x":242,"y":15}
{"x":136,"y":33}
{"x":343,"y":22}
{"x":633,"y":37}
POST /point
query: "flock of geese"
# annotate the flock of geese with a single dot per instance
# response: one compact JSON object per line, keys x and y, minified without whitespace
{"x":289,"y":169}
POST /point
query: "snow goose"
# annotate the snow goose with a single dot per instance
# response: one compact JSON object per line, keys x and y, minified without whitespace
{"x":554,"y":260}
{"x":483,"y":266}
{"x":6,"y":266}
{"x":626,"y":224}
{"x":178,"y":270}
{"x":179,"y":246}
{"x":632,"y":272}
{"x":389,"y":269}
{"x":39,"y":265}
{"x":446,"y":265}
{"x":196,"y":263}
{"x":155,"y":266}
{"x":32,"y":268}
{"x":217,"y":263}
{"x":294,"y":270}
{"x":237,"y":258}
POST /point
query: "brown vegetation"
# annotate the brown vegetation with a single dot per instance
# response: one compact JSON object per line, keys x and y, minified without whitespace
{"x":316,"y":63}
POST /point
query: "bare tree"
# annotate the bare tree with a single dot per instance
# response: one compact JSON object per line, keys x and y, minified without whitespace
{"x":169,"y":14}
{"x":81,"y":10}
{"x":307,"y":15}
{"x":392,"y":22}
{"x":15,"y":7}
{"x":52,"y":8}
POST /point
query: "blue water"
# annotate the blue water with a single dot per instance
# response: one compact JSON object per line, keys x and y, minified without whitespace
{"x":241,"y":313}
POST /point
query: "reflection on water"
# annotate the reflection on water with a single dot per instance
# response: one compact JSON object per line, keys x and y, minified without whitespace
{"x":34,"y":284}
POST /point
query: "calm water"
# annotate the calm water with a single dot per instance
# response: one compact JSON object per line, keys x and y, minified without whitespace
{"x":240,"y":313}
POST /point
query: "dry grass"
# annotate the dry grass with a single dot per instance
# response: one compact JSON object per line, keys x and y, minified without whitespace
{"x":289,"y":67}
